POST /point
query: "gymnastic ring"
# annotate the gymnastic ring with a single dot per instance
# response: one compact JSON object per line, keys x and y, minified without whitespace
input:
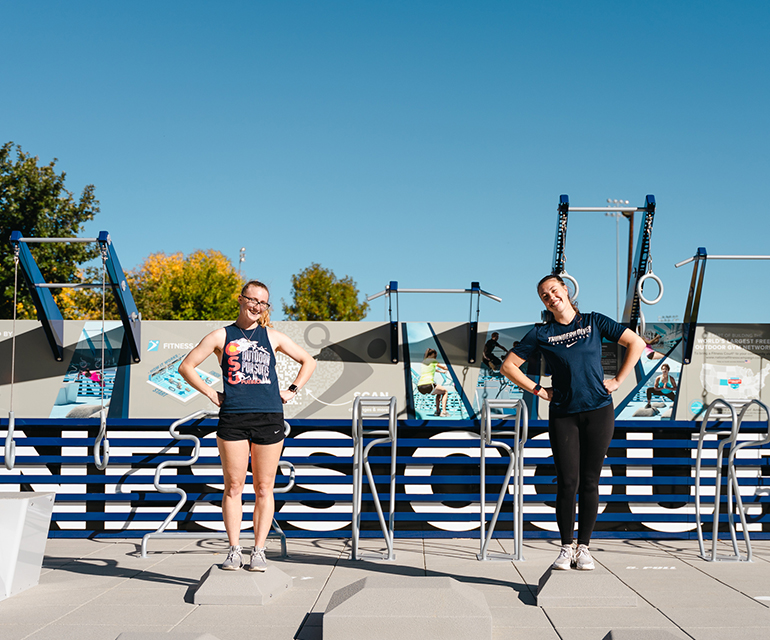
{"x":640,"y":285}
{"x":565,"y":276}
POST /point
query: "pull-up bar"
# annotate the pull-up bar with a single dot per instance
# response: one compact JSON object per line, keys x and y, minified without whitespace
{"x":392,"y":291}
{"x":67,"y":240}
{"x":639,"y":270}
{"x":48,"y":311}
{"x":609,"y":209}
{"x":684,"y":262}
{"x":693,"y":297}
{"x":388,"y":290}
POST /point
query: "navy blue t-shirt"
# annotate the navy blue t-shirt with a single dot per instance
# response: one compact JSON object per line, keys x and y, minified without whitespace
{"x":574,"y":355}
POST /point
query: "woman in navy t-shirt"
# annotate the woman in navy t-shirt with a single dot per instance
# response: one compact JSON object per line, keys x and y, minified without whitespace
{"x":581,"y":418}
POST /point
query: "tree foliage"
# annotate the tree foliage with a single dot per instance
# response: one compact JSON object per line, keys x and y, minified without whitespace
{"x":201,"y":286}
{"x":33,"y":200}
{"x":86,"y":304}
{"x":319,"y":295}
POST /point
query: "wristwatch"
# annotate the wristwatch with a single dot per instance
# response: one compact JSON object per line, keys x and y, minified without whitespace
{"x":536,"y":390}
{"x":293,"y":388}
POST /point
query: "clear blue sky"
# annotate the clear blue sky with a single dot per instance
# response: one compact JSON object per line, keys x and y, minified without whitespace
{"x":423,"y":142}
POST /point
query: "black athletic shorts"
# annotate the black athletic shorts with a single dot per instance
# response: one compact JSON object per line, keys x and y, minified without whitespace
{"x":259,"y":428}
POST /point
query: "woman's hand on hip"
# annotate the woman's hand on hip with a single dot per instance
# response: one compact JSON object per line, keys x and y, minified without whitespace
{"x":611,"y":385}
{"x":545,"y":393}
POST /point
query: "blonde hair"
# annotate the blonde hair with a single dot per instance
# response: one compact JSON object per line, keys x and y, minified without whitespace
{"x":264,"y":317}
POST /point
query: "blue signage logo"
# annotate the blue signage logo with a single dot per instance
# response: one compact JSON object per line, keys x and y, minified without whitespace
{"x":153,"y":345}
{"x":696,"y":407}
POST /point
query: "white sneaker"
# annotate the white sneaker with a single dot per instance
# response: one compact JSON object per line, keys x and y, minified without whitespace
{"x":566,"y":558}
{"x":583,"y":559}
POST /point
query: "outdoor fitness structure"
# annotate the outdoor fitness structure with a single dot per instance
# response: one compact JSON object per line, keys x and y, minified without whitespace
{"x":379,"y":440}
{"x":391,"y":292}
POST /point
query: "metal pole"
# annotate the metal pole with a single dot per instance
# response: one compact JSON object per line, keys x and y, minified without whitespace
{"x":630,"y":247}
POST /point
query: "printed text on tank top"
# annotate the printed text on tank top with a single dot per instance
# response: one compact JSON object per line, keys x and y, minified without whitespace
{"x":247,"y":362}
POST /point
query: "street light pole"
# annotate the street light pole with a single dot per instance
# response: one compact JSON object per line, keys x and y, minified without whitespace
{"x":241,"y":259}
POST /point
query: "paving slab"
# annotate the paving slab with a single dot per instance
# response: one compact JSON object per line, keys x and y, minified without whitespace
{"x":597,"y":588}
{"x":89,"y":632}
{"x":530,"y":617}
{"x":223,"y":616}
{"x":159,"y":635}
{"x":599,"y":634}
{"x":508,"y":633}
{"x":410,"y":608}
{"x":17,"y":631}
{"x":640,"y":634}
{"x":126,"y":614}
{"x":732,"y":618}
{"x":241,"y":587}
{"x":607,"y":618}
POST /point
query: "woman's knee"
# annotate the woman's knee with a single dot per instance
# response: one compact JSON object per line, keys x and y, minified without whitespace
{"x":264,"y":489}
{"x":567,"y":485}
{"x":234,"y":488}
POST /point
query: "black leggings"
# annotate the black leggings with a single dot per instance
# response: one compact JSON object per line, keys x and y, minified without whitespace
{"x":579,"y":443}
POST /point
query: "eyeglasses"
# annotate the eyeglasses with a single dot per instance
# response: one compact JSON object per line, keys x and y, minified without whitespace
{"x":256,"y":303}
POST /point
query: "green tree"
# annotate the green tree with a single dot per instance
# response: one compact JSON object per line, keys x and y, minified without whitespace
{"x":33,"y":200}
{"x":201,"y":286}
{"x":319,"y":295}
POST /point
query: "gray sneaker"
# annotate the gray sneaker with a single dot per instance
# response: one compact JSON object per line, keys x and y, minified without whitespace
{"x":258,"y":561}
{"x":234,"y":559}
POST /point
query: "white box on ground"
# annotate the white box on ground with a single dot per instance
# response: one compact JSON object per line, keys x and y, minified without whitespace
{"x":25,"y":517}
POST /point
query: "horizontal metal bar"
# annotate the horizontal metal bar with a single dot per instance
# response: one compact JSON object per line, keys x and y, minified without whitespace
{"x":42,"y":240}
{"x":480,"y":291}
{"x":710,"y":257}
{"x":65,"y":285}
{"x":619,"y":209}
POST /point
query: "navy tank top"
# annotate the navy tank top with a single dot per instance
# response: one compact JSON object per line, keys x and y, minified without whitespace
{"x":248,"y":372}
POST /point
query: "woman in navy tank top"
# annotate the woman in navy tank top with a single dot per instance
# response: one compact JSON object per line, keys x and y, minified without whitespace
{"x":250,"y":412}
{"x":581,"y":418}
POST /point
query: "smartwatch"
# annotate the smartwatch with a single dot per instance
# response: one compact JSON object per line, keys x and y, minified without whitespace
{"x":536,"y":390}
{"x":293,"y":388}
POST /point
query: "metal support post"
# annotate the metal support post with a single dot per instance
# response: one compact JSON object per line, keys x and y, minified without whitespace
{"x":361,"y":464}
{"x":473,"y":325}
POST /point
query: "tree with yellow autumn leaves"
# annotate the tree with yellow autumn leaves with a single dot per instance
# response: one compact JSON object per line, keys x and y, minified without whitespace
{"x":201,"y":286}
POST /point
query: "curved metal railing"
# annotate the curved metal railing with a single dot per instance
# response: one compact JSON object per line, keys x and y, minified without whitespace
{"x":161,"y":532}
{"x":9,"y":448}
{"x":102,"y":444}
{"x":361,"y":464}
{"x":731,"y":464}
{"x":515,"y":469}
{"x":728,"y":438}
